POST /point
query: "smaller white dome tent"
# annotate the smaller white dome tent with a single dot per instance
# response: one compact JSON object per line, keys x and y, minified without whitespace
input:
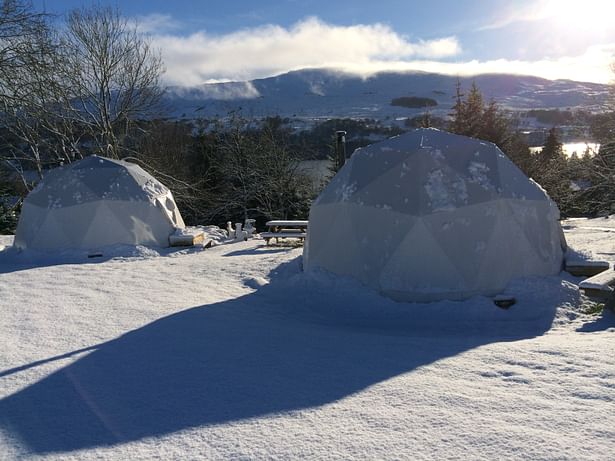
{"x":430,"y":215}
{"x":97,"y":202}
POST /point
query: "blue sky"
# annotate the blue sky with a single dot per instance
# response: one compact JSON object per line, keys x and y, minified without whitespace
{"x":240,"y":39}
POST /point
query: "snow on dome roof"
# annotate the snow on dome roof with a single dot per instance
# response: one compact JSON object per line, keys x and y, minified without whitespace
{"x":437,"y":171}
{"x":95,"y":178}
{"x":432,"y":215}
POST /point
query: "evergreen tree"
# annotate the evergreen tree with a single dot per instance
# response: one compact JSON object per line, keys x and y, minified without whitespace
{"x":553,"y":173}
{"x":495,"y":127}
{"x":473,"y":112}
{"x":426,"y":120}
{"x":458,"y":123}
{"x":519,"y":152}
{"x":471,"y":117}
{"x":553,"y":149}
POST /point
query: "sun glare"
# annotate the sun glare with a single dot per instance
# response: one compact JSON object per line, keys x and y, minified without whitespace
{"x":594,"y":15}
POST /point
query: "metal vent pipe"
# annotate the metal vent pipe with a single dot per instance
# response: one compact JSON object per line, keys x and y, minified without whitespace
{"x":340,"y":147}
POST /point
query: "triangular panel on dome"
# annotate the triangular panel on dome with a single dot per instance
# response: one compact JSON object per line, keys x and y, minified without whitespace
{"x":502,"y":262}
{"x":446,"y":187}
{"x":419,"y":269}
{"x":76,"y":220}
{"x":468,"y":224}
{"x":482,"y":154}
{"x":393,"y":190}
{"x":340,"y":250}
{"x":105,"y":228}
{"x":27,"y":231}
{"x":147,"y":224}
{"x":51,"y":233}
{"x":140,"y":176}
{"x":339,"y":188}
{"x":529,"y":214}
{"x":443,"y":189}
{"x":515,"y":184}
{"x":377,"y":243}
{"x":109,"y":184}
{"x":364,"y":169}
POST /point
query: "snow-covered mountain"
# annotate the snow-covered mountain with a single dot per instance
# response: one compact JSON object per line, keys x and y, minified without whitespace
{"x":319,"y":93}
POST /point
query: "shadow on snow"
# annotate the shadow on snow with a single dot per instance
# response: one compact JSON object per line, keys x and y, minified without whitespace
{"x":15,"y":260}
{"x":259,"y":354}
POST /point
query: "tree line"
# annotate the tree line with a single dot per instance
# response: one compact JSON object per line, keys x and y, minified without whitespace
{"x":90,"y":83}
{"x":581,"y":185}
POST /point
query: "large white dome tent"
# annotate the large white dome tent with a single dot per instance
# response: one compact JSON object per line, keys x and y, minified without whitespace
{"x":97,"y":202}
{"x":430,"y":215}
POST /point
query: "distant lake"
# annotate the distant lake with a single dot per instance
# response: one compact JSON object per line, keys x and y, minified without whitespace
{"x":572,"y":147}
{"x":317,"y":170}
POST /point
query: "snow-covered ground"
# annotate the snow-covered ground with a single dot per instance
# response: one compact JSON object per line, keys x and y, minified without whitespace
{"x":233,"y":352}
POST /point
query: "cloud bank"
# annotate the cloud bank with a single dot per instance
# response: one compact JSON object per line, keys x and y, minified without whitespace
{"x":591,"y":66}
{"x":271,"y":49}
{"x":363,"y":49}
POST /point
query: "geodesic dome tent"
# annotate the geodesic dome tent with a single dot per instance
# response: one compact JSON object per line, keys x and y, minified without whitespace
{"x":430,"y":215}
{"x":97,"y":202}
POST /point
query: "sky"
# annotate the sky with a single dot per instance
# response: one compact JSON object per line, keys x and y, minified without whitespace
{"x":207,"y":40}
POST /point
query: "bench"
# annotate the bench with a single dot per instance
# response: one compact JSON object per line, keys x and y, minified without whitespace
{"x":282,"y":235}
{"x":600,"y":285}
{"x":285,"y":229}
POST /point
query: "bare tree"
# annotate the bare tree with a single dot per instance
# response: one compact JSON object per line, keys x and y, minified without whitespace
{"x":114,"y":74}
{"x":255,"y":175}
{"x":21,"y":30}
{"x":26,"y":60}
{"x":170,"y":152}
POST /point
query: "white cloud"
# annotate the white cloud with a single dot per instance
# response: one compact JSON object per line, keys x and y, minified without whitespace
{"x":514,"y":13}
{"x":592,"y":66}
{"x":156,"y":23}
{"x":363,"y":49}
{"x":271,"y":49}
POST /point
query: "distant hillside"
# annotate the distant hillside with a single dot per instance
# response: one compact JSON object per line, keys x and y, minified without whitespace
{"x":321,"y":93}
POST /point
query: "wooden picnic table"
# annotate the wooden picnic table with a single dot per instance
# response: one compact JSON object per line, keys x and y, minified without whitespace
{"x":285,"y":229}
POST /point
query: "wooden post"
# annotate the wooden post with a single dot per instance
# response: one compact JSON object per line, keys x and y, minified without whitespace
{"x":340,"y":147}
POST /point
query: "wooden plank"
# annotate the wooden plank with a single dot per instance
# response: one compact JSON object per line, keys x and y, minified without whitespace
{"x":187,"y":240}
{"x":600,"y":285}
{"x":282,"y":223}
{"x":278,"y":235}
{"x":297,"y":235}
{"x":599,"y":294}
{"x":605,"y":280}
{"x":278,"y":230}
{"x":582,"y":268}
